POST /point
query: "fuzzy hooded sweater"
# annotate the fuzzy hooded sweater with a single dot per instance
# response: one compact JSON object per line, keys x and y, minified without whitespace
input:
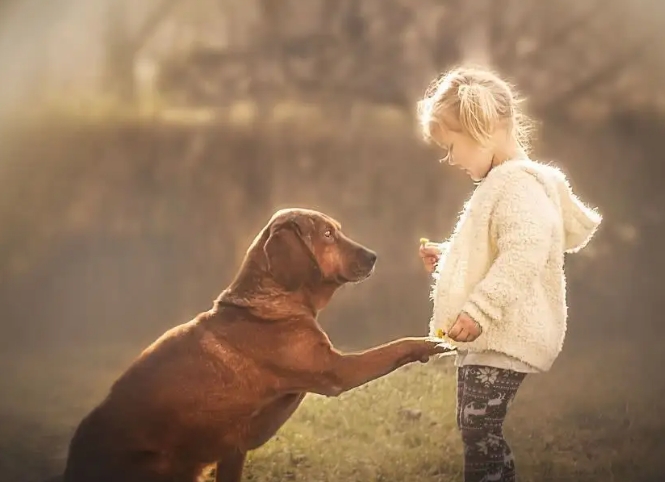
{"x":503,"y":264}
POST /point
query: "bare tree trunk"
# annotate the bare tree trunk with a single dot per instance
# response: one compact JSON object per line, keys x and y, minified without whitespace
{"x":119,"y":68}
{"x":122,"y":45}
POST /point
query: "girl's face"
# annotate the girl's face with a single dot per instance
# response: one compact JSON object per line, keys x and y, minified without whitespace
{"x":464,"y":152}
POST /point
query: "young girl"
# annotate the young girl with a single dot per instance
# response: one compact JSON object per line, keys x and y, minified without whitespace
{"x":499,"y":290}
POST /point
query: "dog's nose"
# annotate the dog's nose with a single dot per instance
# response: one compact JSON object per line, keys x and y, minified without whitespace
{"x":371,"y":256}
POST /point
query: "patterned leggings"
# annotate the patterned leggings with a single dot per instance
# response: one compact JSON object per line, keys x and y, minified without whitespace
{"x":483,"y":396}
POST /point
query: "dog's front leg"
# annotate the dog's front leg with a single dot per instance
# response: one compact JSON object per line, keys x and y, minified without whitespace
{"x":229,"y":468}
{"x":337,"y":372}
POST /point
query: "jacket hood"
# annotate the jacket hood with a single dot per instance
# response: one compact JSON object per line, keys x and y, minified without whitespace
{"x":580,"y":221}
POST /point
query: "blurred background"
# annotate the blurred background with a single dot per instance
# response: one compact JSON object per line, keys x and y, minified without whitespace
{"x":144,"y":144}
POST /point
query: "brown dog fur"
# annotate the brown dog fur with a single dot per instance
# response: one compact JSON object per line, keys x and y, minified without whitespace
{"x":208,"y":391}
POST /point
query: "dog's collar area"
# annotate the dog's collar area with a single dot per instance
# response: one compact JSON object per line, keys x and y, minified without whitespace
{"x":259,"y":309}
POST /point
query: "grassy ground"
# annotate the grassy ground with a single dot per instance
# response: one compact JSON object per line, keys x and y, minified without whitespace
{"x":597,"y":416}
{"x":584,"y":421}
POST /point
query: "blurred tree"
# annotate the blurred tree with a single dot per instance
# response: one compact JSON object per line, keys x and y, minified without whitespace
{"x":582,"y":58}
{"x":568,"y":56}
{"x":123,"y":43}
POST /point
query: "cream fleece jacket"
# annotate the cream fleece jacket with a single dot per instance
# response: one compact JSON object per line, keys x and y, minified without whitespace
{"x":503,"y":264}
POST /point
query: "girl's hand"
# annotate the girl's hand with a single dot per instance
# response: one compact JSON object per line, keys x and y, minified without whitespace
{"x":430,"y":254}
{"x":465,"y":329}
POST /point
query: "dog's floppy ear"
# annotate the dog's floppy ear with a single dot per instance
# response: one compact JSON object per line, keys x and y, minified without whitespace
{"x":289,"y":262}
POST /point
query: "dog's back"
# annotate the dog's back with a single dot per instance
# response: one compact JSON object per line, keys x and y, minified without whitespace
{"x":135,"y":433}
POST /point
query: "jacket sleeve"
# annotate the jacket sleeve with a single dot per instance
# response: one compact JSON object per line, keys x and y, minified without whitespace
{"x":523,"y":220}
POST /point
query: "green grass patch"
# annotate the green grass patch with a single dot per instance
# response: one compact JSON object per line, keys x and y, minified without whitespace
{"x":402,"y":424}
{"x":597,"y":416}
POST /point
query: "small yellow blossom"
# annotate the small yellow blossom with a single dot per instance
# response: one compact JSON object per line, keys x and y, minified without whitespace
{"x":441,"y":334}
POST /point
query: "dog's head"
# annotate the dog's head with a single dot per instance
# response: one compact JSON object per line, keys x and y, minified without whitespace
{"x":306,"y":247}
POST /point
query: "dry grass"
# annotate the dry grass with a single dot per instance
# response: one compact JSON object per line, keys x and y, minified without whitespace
{"x":594,"y":417}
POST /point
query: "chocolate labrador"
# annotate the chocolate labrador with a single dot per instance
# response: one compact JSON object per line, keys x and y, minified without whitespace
{"x":208,"y":391}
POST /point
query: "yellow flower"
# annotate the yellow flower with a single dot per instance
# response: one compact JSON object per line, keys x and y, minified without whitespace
{"x":424,"y":240}
{"x":441,"y":334}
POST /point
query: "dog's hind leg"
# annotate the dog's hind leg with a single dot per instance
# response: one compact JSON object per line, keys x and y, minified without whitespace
{"x":229,"y":468}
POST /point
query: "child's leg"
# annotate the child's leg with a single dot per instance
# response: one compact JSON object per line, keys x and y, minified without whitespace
{"x":483,"y":396}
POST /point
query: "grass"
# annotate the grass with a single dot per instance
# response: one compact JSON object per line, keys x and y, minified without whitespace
{"x":598,"y":425}
{"x":597,"y":416}
{"x":400,"y":426}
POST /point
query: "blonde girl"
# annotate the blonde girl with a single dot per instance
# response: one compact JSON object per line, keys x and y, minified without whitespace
{"x":499,"y":284}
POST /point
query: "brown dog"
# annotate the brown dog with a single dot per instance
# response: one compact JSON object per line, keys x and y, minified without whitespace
{"x":222,"y":384}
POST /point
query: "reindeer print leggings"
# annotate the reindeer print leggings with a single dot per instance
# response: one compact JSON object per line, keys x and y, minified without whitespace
{"x":483,"y":396}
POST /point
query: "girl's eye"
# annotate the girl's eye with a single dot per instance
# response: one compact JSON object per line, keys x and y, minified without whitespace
{"x":328,"y":233}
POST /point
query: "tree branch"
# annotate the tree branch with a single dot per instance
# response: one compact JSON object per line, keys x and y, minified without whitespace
{"x":512,"y":36}
{"x":446,"y":44}
{"x":599,"y":77}
{"x":151,"y":24}
{"x":560,"y":35}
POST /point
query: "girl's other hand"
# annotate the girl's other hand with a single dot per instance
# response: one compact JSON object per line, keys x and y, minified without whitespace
{"x":430,"y":253}
{"x":465,"y":329}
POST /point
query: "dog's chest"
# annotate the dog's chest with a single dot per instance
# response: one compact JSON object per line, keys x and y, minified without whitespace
{"x":266,"y":421}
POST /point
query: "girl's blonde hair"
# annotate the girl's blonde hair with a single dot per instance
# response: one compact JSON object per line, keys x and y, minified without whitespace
{"x":475,"y":101}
